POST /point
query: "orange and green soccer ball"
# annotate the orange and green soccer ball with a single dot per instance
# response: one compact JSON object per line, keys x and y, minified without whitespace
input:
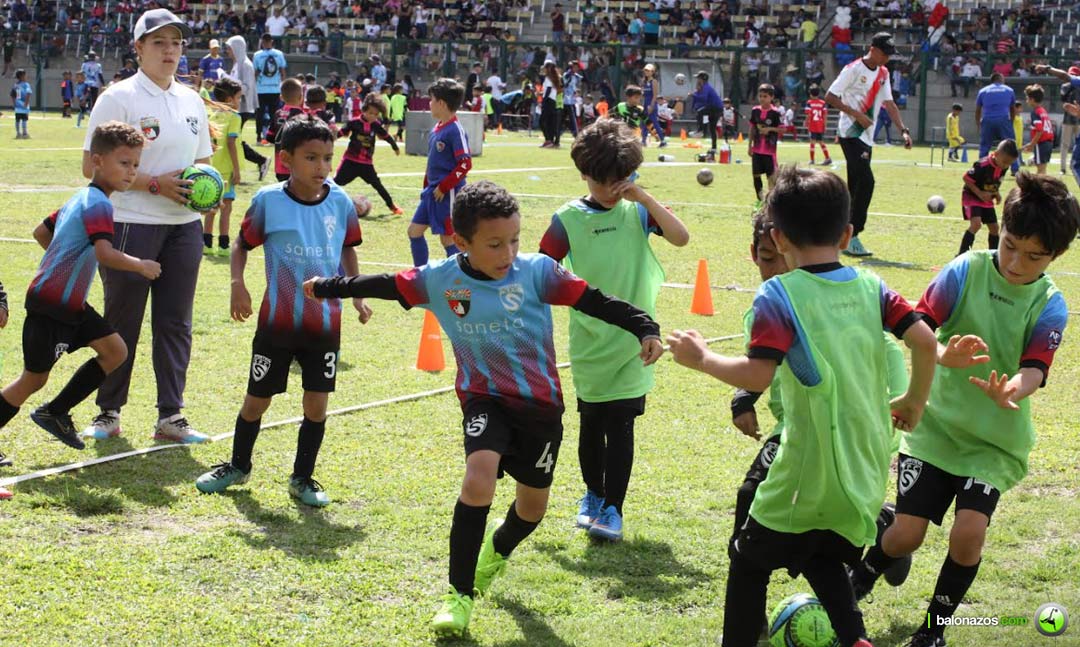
{"x":800,"y":621}
{"x":207,"y":187}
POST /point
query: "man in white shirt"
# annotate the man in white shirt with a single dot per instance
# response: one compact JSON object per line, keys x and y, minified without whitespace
{"x":276,"y":26}
{"x":969,"y":73}
{"x":497,"y":86}
{"x":859,"y":93}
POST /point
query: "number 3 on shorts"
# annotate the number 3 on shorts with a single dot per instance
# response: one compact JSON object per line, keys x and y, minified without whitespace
{"x":547,"y":461}
{"x":331,"y":365}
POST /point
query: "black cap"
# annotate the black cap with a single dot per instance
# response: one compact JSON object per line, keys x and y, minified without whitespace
{"x":703,"y":75}
{"x":883,"y":41}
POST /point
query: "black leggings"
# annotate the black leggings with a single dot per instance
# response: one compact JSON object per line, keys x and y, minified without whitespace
{"x":714,"y":116}
{"x":350,"y":170}
{"x":549,"y":120}
{"x":606,"y":447}
{"x":268,"y":103}
{"x":860,"y":179}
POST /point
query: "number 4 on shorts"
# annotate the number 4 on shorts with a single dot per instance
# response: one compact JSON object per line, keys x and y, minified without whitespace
{"x":547,"y":461}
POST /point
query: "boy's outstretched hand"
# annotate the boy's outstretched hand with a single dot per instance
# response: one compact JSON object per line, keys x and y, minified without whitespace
{"x":906,"y":412}
{"x":309,"y":287}
{"x":651,"y":350}
{"x":688,"y":348}
{"x":961,"y":351}
{"x":998,"y":389}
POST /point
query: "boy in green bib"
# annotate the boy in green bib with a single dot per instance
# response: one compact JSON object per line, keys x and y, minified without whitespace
{"x":967,"y":447}
{"x":771,"y":263}
{"x":604,"y":238}
{"x":821,"y":323}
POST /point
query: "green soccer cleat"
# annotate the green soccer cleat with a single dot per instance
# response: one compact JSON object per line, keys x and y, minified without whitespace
{"x":453,"y":616}
{"x":220,"y":477}
{"x":308,"y":491}
{"x":490,"y":564}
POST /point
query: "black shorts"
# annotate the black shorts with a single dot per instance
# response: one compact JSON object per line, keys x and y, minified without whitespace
{"x":1043,"y":150}
{"x":817,"y":137}
{"x":45,"y":339}
{"x":528,"y":445}
{"x":772,"y":550}
{"x":986,"y":214}
{"x":926,"y":491}
{"x":22,"y":116}
{"x":270,"y":366}
{"x":349,"y":170}
{"x":759,"y":469}
{"x":763,"y":164}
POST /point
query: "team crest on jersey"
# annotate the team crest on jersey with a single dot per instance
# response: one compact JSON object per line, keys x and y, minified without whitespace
{"x":440,"y":146}
{"x":60,"y":349}
{"x":910,"y":469}
{"x":512,"y":296}
{"x":260,"y":366}
{"x":459,"y":300}
{"x":476,"y":425}
{"x":193,"y":124}
{"x":150,"y":127}
{"x":330,"y":223}
{"x":1053,"y":340}
{"x":768,"y":453}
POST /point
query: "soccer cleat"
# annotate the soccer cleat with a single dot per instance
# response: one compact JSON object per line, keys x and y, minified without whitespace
{"x":308,"y":491}
{"x":221,"y":252}
{"x":59,"y":425}
{"x":490,"y":564}
{"x":220,"y":477}
{"x":264,"y":168}
{"x":589,"y":507}
{"x":397,"y":211}
{"x":826,"y":162}
{"x":452,"y":618}
{"x":5,"y":494}
{"x":105,"y":425}
{"x":855,"y":248}
{"x":663,"y":144}
{"x":177,"y":429}
{"x":863,"y":642}
{"x":608,"y":525}
{"x":862,"y":580}
{"x":925,"y":639}
{"x":5,"y":461}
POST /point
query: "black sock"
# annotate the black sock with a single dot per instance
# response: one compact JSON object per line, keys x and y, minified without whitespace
{"x":167,"y":412}
{"x":243,"y":442}
{"x":513,"y":531}
{"x":953,"y":583}
{"x":85,"y":381}
{"x":966,"y":242}
{"x":223,"y":241}
{"x":743,"y":498}
{"x":994,"y":241}
{"x":757,"y":186}
{"x":466,"y":536}
{"x":308,"y":443}
{"x":208,"y":240}
{"x":591,"y":453}
{"x":7,"y":411}
{"x":619,"y":460}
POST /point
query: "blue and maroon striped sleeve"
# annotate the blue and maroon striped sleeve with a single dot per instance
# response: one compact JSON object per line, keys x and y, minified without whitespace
{"x":937,"y":303}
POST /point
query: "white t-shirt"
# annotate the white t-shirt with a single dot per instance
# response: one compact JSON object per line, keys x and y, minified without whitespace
{"x":853,"y":85}
{"x":496,"y":84}
{"x":372,"y":30}
{"x":277,"y":25}
{"x":177,"y":132}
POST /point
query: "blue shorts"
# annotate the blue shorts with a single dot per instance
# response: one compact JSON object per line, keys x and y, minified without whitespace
{"x":1043,"y":151}
{"x":435,"y":213}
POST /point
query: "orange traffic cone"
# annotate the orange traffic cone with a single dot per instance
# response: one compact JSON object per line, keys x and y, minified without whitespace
{"x":500,"y":129}
{"x":739,"y":140}
{"x":430,"y":357}
{"x":702,"y":303}
{"x":682,"y":134}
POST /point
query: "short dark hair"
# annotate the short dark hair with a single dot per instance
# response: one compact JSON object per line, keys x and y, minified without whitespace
{"x":810,"y":207}
{"x":767,"y":88}
{"x":957,"y":106}
{"x":267,"y":36}
{"x":483,"y":200}
{"x":291,"y":88}
{"x":20,"y":73}
{"x":374,"y":101}
{"x":304,"y":128}
{"x":632,"y":91}
{"x":448,"y":91}
{"x":398,"y":88}
{"x":315,"y":94}
{"x":1008,"y":147}
{"x":815,"y":90}
{"x":607,"y":151}
{"x":763,"y":224}
{"x":226,"y":89}
{"x":1035,"y":92}
{"x":996,"y":77}
{"x":1041,"y":206}
{"x":115,"y":134}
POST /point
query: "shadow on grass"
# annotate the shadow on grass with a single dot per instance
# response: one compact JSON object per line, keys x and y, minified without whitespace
{"x":898,"y":634}
{"x":643,"y":569}
{"x":104,"y":489}
{"x":900,"y":265}
{"x":307,"y":534}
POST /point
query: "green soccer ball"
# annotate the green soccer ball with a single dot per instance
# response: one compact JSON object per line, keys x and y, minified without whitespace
{"x":207,"y":187}
{"x":800,"y":621}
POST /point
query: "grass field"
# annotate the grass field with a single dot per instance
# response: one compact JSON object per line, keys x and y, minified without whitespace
{"x":129,"y":553}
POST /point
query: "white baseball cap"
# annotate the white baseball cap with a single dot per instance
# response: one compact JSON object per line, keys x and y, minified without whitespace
{"x":156,"y":19}
{"x":214,"y":43}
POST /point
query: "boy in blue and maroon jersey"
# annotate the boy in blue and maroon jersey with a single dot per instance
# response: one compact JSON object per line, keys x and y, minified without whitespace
{"x":358,"y":161}
{"x":982,"y":184}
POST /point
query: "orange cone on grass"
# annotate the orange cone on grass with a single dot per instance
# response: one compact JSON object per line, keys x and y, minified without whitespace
{"x":702,"y":303}
{"x":430,"y":357}
{"x":739,"y":140}
{"x":682,"y":134}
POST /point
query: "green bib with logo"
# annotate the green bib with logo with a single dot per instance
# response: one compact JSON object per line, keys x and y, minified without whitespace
{"x":610,"y":249}
{"x":833,"y":463}
{"x":964,"y":432}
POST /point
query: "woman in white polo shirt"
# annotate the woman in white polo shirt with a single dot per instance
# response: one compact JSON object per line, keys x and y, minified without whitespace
{"x":151,"y":221}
